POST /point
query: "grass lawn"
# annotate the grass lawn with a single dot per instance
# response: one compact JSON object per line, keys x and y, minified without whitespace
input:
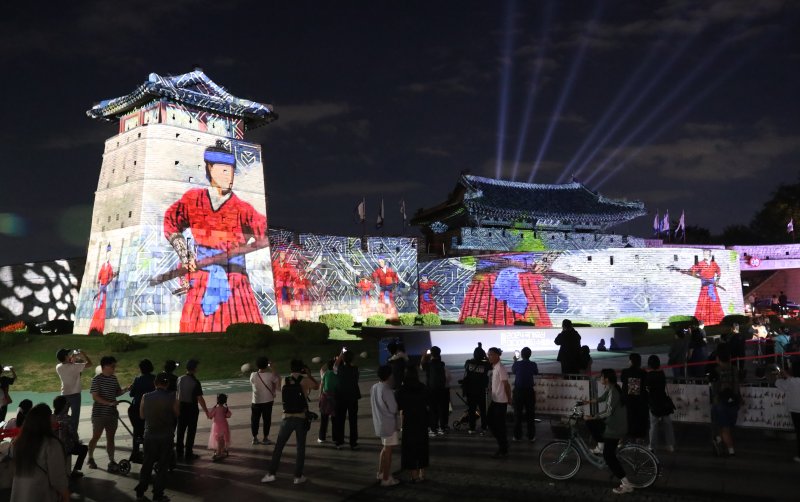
{"x":35,"y":361}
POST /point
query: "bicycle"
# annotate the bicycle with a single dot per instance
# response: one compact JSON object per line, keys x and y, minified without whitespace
{"x":560,"y":459}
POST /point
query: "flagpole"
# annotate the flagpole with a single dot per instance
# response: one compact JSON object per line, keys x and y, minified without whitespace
{"x":364,"y":225}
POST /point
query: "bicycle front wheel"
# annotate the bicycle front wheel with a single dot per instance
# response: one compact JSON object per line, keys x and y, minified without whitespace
{"x":640,"y":465}
{"x":559,"y":460}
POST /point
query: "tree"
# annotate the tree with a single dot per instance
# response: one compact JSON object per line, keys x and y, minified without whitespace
{"x":738,"y":234}
{"x":696,"y":235}
{"x":770,"y":222}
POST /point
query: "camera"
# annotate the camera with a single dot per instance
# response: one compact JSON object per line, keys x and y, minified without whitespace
{"x":516,"y":354}
{"x":8,"y":368}
{"x":75,"y":352}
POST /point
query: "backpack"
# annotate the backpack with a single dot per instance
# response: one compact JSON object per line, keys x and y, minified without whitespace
{"x":294,"y":399}
{"x":436,"y":377}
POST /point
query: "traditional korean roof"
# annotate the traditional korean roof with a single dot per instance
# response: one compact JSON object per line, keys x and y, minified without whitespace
{"x":487,"y":201}
{"x":193,"y":89}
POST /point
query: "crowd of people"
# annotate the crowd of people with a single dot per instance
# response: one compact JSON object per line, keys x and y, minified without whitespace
{"x":410,"y":406}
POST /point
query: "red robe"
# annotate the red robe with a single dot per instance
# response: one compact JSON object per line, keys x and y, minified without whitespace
{"x":104,"y":277}
{"x":479,"y":301}
{"x":229,"y":227}
{"x":709,"y":306}
{"x":284,"y":275}
{"x":427,"y":305}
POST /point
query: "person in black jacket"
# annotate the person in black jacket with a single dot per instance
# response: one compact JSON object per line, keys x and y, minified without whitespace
{"x":142,"y":384}
{"x":569,"y":355}
{"x":436,"y":380}
{"x":475,"y":383}
{"x":412,"y":400}
{"x":347,"y":396}
{"x":634,"y":391}
{"x":661,"y":405}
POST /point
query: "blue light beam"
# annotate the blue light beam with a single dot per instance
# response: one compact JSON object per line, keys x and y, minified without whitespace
{"x":565,"y":92}
{"x":505,"y":81}
{"x":530,"y":101}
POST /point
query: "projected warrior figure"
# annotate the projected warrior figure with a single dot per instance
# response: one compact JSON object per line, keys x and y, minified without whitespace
{"x":285,"y":275}
{"x":709,"y":306}
{"x":386,"y":281}
{"x":224,"y":228}
{"x":427,"y":304}
{"x":508,"y":289}
{"x":104,"y":278}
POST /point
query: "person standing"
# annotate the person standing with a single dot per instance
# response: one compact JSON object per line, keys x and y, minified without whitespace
{"x":294,"y":394}
{"x":105,"y":391}
{"x":634,"y":388}
{"x":141,"y":385}
{"x":327,"y":399}
{"x":501,"y":398}
{"x":615,"y":420}
{"x":725,"y":399}
{"x":5,"y":397}
{"x":158,"y":409}
{"x":698,"y":352}
{"x":40,"y":464}
{"x":660,"y":404}
{"x":436,"y":380}
{"x":788,"y":382}
{"x":68,"y":436}
{"x":265,"y":382}
{"x":412,"y":401}
{"x":678,"y":353}
{"x":346,"y":400}
{"x":569,"y":355}
{"x":398,"y":359}
{"x":524,"y":395}
{"x":190,"y":394}
{"x":69,"y":372}
{"x":475,"y":383}
{"x":384,"y":418}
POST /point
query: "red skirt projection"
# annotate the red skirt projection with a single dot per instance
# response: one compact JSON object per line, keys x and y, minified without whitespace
{"x":709,"y":307}
{"x":240,"y":307}
{"x":479,"y":301}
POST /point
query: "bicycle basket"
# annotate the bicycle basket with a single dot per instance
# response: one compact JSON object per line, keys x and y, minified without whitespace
{"x":561,"y":430}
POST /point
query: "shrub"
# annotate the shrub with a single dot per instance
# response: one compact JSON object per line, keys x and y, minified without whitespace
{"x":309,"y":332}
{"x":376,"y":320}
{"x":740,"y":319}
{"x":249,"y":334}
{"x":119,"y":342}
{"x":637,"y":328}
{"x":474,"y":320}
{"x":682,"y":321}
{"x":520,"y":322}
{"x":15,"y":327}
{"x":9,"y":339}
{"x":431,"y":319}
{"x":337,"y":321}
{"x":407,"y":319}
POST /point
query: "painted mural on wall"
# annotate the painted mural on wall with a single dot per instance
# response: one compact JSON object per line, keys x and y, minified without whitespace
{"x":587,"y":285}
{"x":321,"y":274}
{"x":40,"y":292}
{"x":190,"y":253}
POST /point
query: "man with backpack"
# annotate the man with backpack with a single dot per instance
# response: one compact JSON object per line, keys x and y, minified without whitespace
{"x":294,"y":392}
{"x":436,"y":378}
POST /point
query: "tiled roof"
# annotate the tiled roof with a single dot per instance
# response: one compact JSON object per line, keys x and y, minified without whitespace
{"x":194,"y":89}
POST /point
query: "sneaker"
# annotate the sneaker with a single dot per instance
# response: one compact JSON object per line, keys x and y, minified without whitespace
{"x":339,"y":446}
{"x":75,"y":474}
{"x":598,"y":450}
{"x":266,"y":442}
{"x":390,"y":482}
{"x":432,"y":434}
{"x":256,"y":442}
{"x":623,"y":488}
{"x":321,"y":441}
{"x":379,"y":476}
{"x":355,"y":447}
{"x":300,"y":480}
{"x":482,"y":433}
{"x":113,"y":466}
{"x":91,"y":463}
{"x":268,"y":478}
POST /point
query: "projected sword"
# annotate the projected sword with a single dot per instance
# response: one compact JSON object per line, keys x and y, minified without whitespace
{"x":219,"y":259}
{"x":686,"y":272}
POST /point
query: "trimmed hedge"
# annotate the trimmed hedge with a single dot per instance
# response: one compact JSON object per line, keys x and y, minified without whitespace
{"x":519,"y":322}
{"x":677,"y":322}
{"x":407,"y":319}
{"x":309,"y":332}
{"x":249,"y":334}
{"x":376,"y":320}
{"x":337,"y":321}
{"x":730,"y":320}
{"x":119,"y":342}
{"x":474,"y":321}
{"x":637,"y":328}
{"x":10,"y":339}
{"x":431,"y":319}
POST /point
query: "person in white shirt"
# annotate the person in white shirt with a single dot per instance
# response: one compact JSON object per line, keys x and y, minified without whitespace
{"x":501,"y":398}
{"x":789,"y":383}
{"x":384,"y":418}
{"x":266,"y":383}
{"x":70,"y":365}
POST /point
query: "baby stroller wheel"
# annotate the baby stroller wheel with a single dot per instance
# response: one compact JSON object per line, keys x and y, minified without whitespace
{"x":457,"y":425}
{"x":124,"y":467}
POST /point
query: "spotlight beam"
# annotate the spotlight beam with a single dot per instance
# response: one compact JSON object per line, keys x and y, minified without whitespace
{"x":562,"y":99}
{"x":530,"y":101}
{"x":681,"y":114}
{"x":504,"y":85}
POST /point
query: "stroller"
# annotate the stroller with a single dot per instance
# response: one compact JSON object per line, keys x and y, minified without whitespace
{"x":463,"y":420}
{"x":125,"y":464}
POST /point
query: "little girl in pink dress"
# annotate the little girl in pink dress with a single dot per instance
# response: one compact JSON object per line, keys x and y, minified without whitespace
{"x":220,"y":436}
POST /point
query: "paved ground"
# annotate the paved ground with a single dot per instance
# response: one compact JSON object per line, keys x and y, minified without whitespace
{"x":461,"y":468}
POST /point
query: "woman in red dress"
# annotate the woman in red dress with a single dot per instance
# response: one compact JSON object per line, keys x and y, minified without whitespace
{"x":219,"y":293}
{"x":104,"y":278}
{"x":709,"y":306}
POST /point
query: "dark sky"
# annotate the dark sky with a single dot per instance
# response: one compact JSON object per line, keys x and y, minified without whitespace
{"x":687,"y":104}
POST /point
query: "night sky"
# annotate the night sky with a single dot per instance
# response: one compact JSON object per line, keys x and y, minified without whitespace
{"x":686,"y":105}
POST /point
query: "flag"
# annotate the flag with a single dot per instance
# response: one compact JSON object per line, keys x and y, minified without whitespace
{"x":403,"y":209}
{"x":665,"y":223}
{"x":379,"y":221}
{"x":790,"y":226}
{"x":360,"y":212}
{"x":681,"y":225}
{"x":656,"y":225}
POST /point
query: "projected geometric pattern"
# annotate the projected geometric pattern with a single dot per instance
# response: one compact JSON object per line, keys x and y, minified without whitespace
{"x":39,"y":292}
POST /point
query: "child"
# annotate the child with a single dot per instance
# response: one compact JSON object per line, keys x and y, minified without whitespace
{"x":67,"y":435}
{"x":220,"y":436}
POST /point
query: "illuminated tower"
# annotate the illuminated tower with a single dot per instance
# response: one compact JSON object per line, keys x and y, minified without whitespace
{"x":178,"y":237}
